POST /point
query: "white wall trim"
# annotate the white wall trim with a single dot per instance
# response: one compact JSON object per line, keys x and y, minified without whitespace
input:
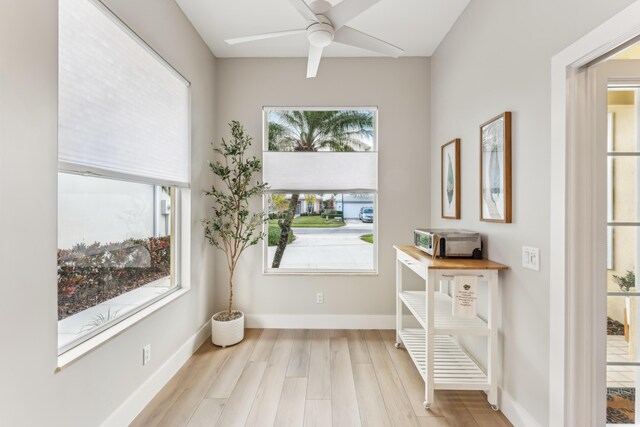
{"x":515,"y":413}
{"x":322,"y":321}
{"x":136,"y":402}
{"x":566,"y":397}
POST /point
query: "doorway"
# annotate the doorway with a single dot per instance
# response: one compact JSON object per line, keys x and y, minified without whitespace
{"x":580,"y":279}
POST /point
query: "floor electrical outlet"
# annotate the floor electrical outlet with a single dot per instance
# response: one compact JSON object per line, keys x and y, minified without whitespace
{"x":146,"y":354}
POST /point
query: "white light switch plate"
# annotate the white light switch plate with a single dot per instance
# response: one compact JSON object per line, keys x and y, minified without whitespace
{"x":146,"y":354}
{"x":531,"y":258}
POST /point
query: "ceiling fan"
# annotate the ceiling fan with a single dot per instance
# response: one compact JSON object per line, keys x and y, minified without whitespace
{"x":326,"y":24}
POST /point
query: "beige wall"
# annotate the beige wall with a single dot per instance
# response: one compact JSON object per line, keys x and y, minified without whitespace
{"x":497,"y":58}
{"x":88,"y":391}
{"x":400,"y":89}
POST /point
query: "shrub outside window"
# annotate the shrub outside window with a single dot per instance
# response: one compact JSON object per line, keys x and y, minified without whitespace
{"x":321,"y":168}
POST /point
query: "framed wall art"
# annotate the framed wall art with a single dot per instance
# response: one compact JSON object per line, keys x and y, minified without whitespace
{"x":450,"y":180}
{"x":495,"y":169}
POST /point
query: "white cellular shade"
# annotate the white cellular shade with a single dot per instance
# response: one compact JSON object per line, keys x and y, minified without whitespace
{"x":321,"y":171}
{"x":122,"y":112}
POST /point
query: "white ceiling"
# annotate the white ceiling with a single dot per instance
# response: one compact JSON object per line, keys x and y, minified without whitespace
{"x":417,"y":26}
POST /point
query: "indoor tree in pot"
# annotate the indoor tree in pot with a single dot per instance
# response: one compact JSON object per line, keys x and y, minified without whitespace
{"x":232,"y":227}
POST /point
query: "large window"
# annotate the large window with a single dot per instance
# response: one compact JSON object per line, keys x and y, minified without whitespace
{"x":321,"y":168}
{"x":123,"y":161}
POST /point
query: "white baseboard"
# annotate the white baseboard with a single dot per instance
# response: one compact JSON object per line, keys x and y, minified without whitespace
{"x":515,"y":413}
{"x":135,"y":403}
{"x":324,"y":321}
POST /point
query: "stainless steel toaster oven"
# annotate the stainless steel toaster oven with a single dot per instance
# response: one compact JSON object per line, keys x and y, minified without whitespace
{"x":448,"y":243}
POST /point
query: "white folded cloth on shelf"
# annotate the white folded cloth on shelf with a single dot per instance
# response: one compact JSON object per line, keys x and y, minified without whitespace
{"x":464,"y":296}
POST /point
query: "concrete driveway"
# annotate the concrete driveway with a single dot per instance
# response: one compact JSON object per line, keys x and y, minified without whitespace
{"x":329,"y":248}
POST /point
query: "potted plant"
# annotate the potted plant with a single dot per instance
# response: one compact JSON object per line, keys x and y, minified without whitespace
{"x":232,"y":227}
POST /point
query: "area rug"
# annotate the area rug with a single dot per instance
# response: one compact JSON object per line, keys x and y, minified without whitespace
{"x":621,"y":402}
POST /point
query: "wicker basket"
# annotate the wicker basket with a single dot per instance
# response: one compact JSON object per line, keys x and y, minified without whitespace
{"x":227,"y":333}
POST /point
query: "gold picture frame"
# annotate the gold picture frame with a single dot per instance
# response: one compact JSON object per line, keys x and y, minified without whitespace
{"x":450,"y":180}
{"x":495,"y":169}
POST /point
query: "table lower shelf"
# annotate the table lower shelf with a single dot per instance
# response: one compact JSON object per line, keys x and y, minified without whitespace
{"x":444,"y":322}
{"x":453,"y":368}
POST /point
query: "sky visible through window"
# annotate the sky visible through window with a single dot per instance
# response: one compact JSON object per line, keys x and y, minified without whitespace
{"x":321,"y":130}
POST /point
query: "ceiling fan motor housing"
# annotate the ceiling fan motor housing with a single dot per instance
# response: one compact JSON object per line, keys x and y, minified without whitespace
{"x":320,"y":34}
{"x":320,"y":6}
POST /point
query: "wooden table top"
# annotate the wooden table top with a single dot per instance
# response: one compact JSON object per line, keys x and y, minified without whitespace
{"x":449,"y":263}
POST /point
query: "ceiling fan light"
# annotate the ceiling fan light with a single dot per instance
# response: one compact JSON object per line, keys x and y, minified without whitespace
{"x":320,"y":38}
{"x":320,"y":34}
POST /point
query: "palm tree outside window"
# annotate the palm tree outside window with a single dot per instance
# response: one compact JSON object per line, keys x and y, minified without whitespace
{"x":298,"y":232}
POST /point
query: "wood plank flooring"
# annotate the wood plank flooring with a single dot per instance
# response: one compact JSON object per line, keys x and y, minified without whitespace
{"x":309,"y":378}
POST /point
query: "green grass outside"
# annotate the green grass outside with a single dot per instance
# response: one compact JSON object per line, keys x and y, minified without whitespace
{"x":367,"y":238}
{"x":312,"y":221}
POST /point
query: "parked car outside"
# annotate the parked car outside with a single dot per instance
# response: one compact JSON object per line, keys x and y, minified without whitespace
{"x":366,"y":214}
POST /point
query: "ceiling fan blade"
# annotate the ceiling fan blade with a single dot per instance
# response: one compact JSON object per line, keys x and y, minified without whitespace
{"x":349,"y":36}
{"x":315,"y":54}
{"x":304,"y":10}
{"x":346,"y":10}
{"x":263,"y":36}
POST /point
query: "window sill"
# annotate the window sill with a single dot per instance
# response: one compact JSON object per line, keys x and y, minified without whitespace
{"x":70,"y":356}
{"x":320,"y":273}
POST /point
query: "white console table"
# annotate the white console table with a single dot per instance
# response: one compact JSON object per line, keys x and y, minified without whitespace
{"x":434,"y":349}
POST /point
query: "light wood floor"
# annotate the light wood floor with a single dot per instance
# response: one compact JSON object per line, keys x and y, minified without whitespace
{"x":309,"y":378}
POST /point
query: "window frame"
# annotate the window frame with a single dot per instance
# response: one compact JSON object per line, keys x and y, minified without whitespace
{"x":174,"y":278}
{"x":182,"y":266}
{"x":266,"y":269}
{"x":180,"y":223}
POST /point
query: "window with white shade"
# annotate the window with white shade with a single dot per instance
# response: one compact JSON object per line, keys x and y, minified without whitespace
{"x":124,"y":167}
{"x":321,"y":166}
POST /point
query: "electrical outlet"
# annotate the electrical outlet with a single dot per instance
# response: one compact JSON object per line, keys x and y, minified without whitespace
{"x":146,"y":354}
{"x":531,"y":258}
{"x":320,"y":298}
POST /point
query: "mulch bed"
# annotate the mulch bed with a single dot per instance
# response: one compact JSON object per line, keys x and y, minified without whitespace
{"x":614,"y":327}
{"x":90,"y":295}
{"x":621,"y":402}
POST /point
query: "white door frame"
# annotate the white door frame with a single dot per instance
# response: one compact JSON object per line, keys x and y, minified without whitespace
{"x":573,"y":375}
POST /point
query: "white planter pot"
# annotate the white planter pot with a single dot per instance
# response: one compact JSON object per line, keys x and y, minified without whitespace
{"x":227,"y":333}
